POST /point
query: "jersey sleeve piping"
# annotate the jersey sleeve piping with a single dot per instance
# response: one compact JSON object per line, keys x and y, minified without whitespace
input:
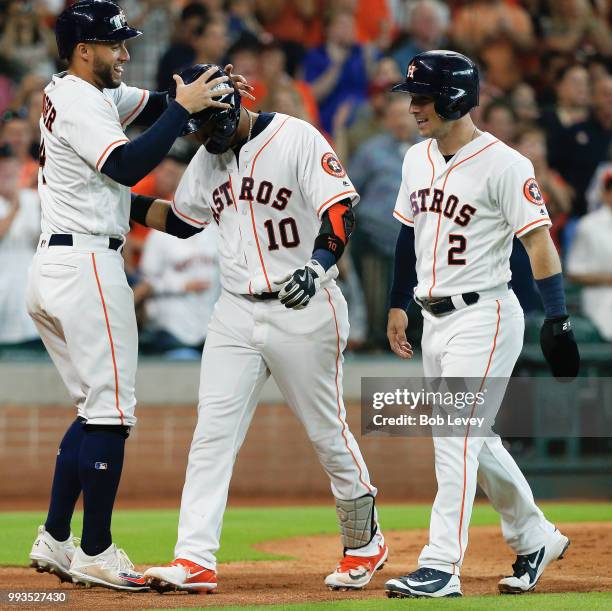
{"x":332,"y":200}
{"x":137,"y":110}
{"x":403,"y":219}
{"x":188,"y":219}
{"x":107,"y":151}
{"x":533,"y":225}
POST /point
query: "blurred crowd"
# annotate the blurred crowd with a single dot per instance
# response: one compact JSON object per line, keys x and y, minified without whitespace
{"x":546,"y":90}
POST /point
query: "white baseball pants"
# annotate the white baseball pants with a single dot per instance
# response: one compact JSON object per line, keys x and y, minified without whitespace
{"x":83,"y":309}
{"x":248,"y":341}
{"x":484,"y":339}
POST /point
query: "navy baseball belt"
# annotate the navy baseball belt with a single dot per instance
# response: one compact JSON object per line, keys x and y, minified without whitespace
{"x":66,"y":239}
{"x":265,"y":296}
{"x":443,"y":305}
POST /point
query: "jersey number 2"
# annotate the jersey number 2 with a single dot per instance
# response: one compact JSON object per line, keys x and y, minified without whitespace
{"x":288,"y":231}
{"x":461,"y":241}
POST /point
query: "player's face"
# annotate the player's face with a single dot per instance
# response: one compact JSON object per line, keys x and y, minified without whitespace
{"x":108,"y":61}
{"x":429,"y":124}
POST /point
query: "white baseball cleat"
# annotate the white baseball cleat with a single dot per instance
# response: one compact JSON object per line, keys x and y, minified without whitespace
{"x":51,"y":556}
{"x":356,"y":572}
{"x":180,"y":575}
{"x":529,"y":567}
{"x":110,"y":569}
{"x":424,"y":583}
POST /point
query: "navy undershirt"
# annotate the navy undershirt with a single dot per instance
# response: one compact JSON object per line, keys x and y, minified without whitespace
{"x":132,"y":161}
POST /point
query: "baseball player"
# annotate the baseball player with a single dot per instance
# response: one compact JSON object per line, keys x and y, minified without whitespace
{"x":283,"y":205}
{"x":465,"y":195}
{"x":77,"y":294}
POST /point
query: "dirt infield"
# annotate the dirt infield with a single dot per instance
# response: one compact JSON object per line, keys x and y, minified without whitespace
{"x":586,"y":568}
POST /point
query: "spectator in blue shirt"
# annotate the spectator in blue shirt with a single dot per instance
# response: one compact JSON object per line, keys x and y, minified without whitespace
{"x":339,"y":70}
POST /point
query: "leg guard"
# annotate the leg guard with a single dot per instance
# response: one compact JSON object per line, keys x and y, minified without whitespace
{"x":357,"y":522}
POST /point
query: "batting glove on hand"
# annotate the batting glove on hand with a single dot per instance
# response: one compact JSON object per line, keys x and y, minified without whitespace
{"x":302,"y":285}
{"x":559,"y":347}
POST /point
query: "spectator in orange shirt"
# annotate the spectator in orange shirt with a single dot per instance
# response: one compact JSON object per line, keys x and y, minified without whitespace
{"x":478,"y":23}
{"x":499,"y":33}
{"x":297,"y":24}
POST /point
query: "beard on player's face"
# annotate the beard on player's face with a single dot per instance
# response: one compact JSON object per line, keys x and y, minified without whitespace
{"x":108,"y":66}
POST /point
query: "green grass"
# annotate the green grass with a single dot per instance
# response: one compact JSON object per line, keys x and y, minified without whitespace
{"x":149,"y":535}
{"x":537,"y":602}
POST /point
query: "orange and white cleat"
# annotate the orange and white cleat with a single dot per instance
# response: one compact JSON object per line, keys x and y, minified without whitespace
{"x":181,"y":575}
{"x":356,"y":572}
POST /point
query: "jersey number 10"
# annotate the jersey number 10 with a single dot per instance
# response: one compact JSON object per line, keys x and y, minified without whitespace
{"x":288,"y":231}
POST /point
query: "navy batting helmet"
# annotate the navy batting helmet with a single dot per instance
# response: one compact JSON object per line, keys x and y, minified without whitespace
{"x":91,"y":21}
{"x":223,"y":121}
{"x":448,"y":77}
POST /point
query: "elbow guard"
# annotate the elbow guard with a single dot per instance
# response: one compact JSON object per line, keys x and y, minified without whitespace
{"x":337,"y":224}
{"x":176,"y":227}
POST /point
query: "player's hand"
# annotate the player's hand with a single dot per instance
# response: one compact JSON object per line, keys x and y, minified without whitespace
{"x":559,"y":347}
{"x":239,"y":82}
{"x":302,"y":285}
{"x":200,"y":94}
{"x":396,"y":333}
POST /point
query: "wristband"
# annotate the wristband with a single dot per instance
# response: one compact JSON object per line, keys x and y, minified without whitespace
{"x":553,"y":296}
{"x":139,"y":208}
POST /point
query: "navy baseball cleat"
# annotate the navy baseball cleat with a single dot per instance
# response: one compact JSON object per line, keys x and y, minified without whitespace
{"x":529,"y":567}
{"x":424,"y":583}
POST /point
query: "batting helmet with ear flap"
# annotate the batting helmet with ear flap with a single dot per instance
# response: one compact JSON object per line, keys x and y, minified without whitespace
{"x":450,"y":78}
{"x":91,"y":21}
{"x":224,"y":121}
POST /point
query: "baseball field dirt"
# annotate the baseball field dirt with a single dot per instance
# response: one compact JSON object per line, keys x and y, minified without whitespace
{"x":300,"y":580}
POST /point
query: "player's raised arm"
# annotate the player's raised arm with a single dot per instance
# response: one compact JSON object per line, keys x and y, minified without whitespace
{"x":157,"y":101}
{"x":556,"y":337}
{"x":131,"y":162}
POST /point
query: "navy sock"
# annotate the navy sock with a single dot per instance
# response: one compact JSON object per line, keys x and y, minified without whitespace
{"x":66,"y":485}
{"x":100,"y":465}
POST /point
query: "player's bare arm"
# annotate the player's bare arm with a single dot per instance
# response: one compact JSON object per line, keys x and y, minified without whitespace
{"x":556,"y":336}
{"x":542,"y":253}
{"x":337,"y":224}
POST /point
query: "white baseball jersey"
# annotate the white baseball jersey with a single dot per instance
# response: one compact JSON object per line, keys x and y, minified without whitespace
{"x":465,"y":213}
{"x":168,"y":264}
{"x":268,"y":208}
{"x":268,"y":212}
{"x":80,"y":127}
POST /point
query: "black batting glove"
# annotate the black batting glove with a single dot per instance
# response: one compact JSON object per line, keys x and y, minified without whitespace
{"x":302,"y":285}
{"x":559,"y":347}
